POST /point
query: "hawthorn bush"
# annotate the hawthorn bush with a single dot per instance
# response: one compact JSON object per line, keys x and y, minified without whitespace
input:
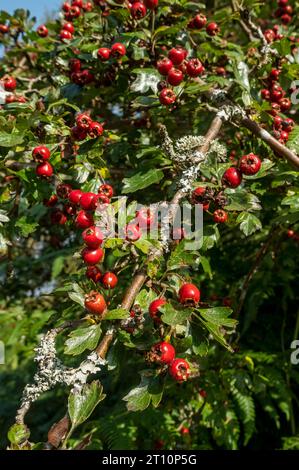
{"x":131,"y":342}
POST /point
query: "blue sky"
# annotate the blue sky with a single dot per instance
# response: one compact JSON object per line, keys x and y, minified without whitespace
{"x":37,"y":7}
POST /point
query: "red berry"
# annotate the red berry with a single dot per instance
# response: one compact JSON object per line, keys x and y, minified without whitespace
{"x":104,"y":53}
{"x":164,"y":66}
{"x":212,"y":29}
{"x":10,"y":83}
{"x":83,"y":121}
{"x":138,"y":10}
{"x":290,"y":233}
{"x":145,"y":217}
{"x":265,"y":94}
{"x":74,"y":12}
{"x":275,"y":109}
{"x":68,"y":27}
{"x":162,"y":353}
{"x":276,"y":92}
{"x":167,"y":96}
{"x":95,"y":130}
{"x":232,"y":177}
{"x":66,"y":7}
{"x":288,"y":9}
{"x":101,"y":199}
{"x":75,"y":196}
{"x":284,"y":136}
{"x":64,"y":34}
{"x":285,"y":104}
{"x":69,"y":209}
{"x":88,"y":6}
{"x":63,"y":190}
{"x":179,"y":370}
{"x":106,"y":189}
{"x":177,"y":55}
{"x":53,"y":199}
{"x":197,"y":197}
{"x":77,"y":3}
{"x":274,"y":74}
{"x":269,"y":35}
{"x":282,"y":3}
{"x":109,"y":280}
{"x":221,"y":71}
{"x":4,"y":29}
{"x":220,"y":216}
{"x":42,"y":31}
{"x":277,"y":122}
{"x":189,"y":294}
{"x":84,"y":219}
{"x":118,"y":49}
{"x":154,"y":311}
{"x":75,"y":65}
{"x":41,"y":153}
{"x":175,"y":77}
{"x":287,"y":124}
{"x":286,"y":19}
{"x":95,"y":303}
{"x":86,"y":77}
{"x":203,"y":393}
{"x":93,"y":273}
{"x":133,"y":232}
{"x":44,"y":169}
{"x":93,"y":237}
{"x":194,"y":68}
{"x":78,"y":134}
{"x":58,"y":217}
{"x":185,"y":431}
{"x":151,"y":4}
{"x":250,"y":164}
{"x":199,"y":21}
{"x":91,"y":256}
{"x":88,"y":202}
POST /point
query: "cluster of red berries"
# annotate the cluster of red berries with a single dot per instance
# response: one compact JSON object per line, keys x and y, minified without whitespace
{"x":200,"y":21}
{"x":284,"y":12}
{"x":9,"y":84}
{"x":117,"y":50}
{"x":164,"y":353}
{"x":4,"y":28}
{"x":138,"y":9}
{"x":275,"y":94}
{"x":85,"y":126}
{"x":79,"y":75}
{"x":175,"y":67}
{"x":41,"y":155}
{"x":75,"y":9}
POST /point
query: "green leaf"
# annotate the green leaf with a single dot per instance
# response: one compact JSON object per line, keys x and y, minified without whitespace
{"x":181,"y":257}
{"x":18,"y":433}
{"x":81,"y":404}
{"x":26,"y":227}
{"x":77,"y":297}
{"x":82,"y":339}
{"x":117,"y":314}
{"x":249,"y":223}
{"x":57,"y":266}
{"x":142,"y":180}
{"x":292,"y":201}
{"x":218,"y":316}
{"x":150,"y":390}
{"x":172,"y":316}
{"x":10,"y":140}
{"x":241,"y":200}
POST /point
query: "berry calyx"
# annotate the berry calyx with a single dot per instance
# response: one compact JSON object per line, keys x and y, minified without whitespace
{"x":104,"y":54}
{"x":232,"y":177}
{"x":95,"y":130}
{"x":84,"y":219}
{"x":109,"y":280}
{"x":154,"y":309}
{"x":95,"y":303}
{"x":91,"y":256}
{"x":118,"y":49}
{"x":45,"y":170}
{"x":63,"y":190}
{"x":179,"y":370}
{"x":220,"y":216}
{"x":167,"y":97}
{"x":162,"y":353}
{"x":189,"y":294}
{"x":58,"y":217}
{"x":250,"y":164}
{"x":42,"y":31}
{"x":106,"y":190}
{"x":138,"y":10}
{"x":41,"y":153}
{"x":83,"y":121}
{"x":93,"y":273}
{"x":93,"y":237}
{"x":212,"y":29}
